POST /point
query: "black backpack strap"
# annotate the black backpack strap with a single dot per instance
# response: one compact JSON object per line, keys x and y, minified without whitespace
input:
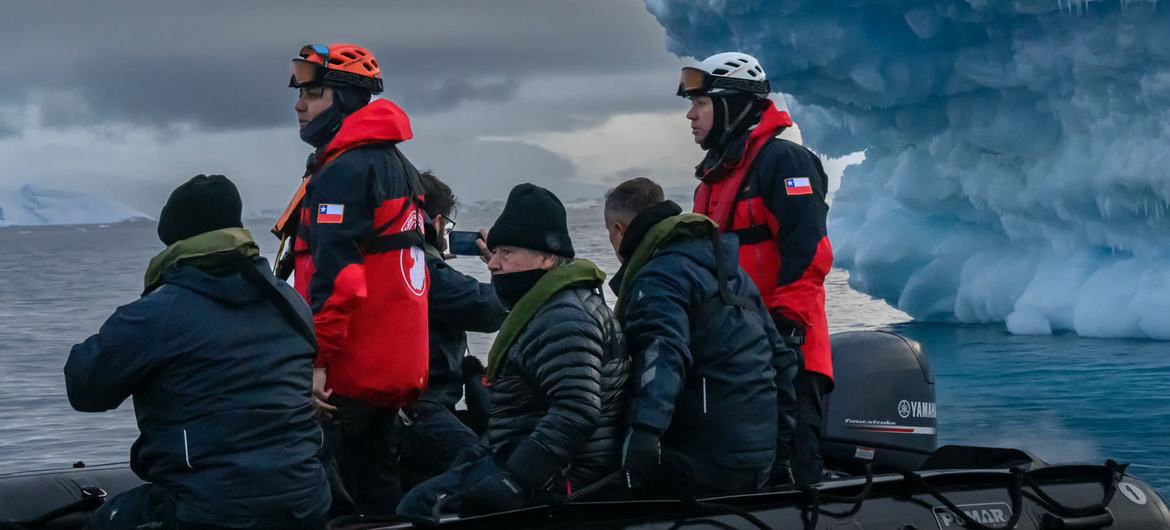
{"x":724,"y":297}
{"x":254,"y":277}
{"x":390,"y":243}
{"x":753,"y":234}
{"x":721,"y":273}
{"x":414,"y":190}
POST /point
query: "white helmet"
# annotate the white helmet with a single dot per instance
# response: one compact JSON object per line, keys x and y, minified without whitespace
{"x":724,"y":73}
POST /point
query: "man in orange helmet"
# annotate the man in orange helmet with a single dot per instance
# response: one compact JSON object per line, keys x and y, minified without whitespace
{"x":357,"y":254}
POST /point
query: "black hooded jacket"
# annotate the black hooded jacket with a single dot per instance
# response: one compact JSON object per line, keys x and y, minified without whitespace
{"x":707,"y":371}
{"x":221,"y":384}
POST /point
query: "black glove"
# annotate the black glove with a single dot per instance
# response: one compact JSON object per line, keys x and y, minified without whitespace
{"x":471,"y":367}
{"x":534,"y":466}
{"x":498,"y":492}
{"x":286,"y":264}
{"x":477,"y":397}
{"x":641,"y":455}
{"x":781,"y":475}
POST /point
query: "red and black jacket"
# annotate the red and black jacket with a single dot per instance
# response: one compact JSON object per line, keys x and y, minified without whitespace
{"x":771,"y":193}
{"x":359,"y":260}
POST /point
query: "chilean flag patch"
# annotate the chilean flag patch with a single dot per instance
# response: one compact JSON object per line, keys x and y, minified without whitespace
{"x":798,"y":186}
{"x":334,"y":213}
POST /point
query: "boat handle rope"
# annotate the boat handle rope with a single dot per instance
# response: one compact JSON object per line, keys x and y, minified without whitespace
{"x":711,"y":508}
{"x":698,"y":508}
{"x":702,"y":508}
{"x":586,"y":491}
{"x":1114,"y":472}
{"x":1015,"y":492}
{"x":91,"y":498}
{"x":811,"y":511}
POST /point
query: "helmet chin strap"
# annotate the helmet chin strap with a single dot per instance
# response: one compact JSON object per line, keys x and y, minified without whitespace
{"x":321,"y":130}
{"x":730,"y":126}
{"x":719,"y":137}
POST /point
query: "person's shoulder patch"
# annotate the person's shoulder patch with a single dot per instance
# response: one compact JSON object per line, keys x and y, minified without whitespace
{"x":330,"y":213}
{"x":798,"y":186}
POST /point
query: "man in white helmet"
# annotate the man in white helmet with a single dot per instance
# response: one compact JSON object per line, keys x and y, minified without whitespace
{"x":771,"y":193}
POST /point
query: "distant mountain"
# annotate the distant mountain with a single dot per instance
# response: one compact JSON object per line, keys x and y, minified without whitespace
{"x":267,"y":213}
{"x":36,"y":205}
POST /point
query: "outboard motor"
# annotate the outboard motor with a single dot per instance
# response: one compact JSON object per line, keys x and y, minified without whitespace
{"x":882,"y":409}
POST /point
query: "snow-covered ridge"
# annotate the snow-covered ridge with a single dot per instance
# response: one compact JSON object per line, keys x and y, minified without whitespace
{"x":37,"y":206}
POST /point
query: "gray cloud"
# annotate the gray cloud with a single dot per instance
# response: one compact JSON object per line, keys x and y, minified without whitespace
{"x":439,"y":94}
{"x":130,"y":99}
{"x":629,"y":173}
{"x":491,"y":168}
{"x":224,"y":65}
{"x":8,"y":128}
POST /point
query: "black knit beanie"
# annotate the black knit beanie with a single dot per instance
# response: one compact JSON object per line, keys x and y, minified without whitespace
{"x":533,"y":218}
{"x":202,"y":204}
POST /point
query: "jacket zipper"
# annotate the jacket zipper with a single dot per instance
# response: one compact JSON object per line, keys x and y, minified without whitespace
{"x":186,"y":451}
{"x":704,"y":395}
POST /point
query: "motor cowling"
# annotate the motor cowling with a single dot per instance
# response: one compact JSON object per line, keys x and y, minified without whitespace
{"x":882,"y":409}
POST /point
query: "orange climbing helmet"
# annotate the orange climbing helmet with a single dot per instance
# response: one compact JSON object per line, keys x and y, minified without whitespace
{"x":345,"y":64}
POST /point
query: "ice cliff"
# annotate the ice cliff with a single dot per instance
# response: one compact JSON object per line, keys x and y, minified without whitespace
{"x":1017,"y":161}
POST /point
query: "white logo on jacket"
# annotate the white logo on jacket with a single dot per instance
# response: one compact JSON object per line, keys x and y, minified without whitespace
{"x":414,"y":264}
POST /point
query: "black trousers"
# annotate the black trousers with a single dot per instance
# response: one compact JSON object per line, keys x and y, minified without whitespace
{"x":474,"y":463}
{"x":362,"y":452}
{"x":432,"y":439}
{"x":807,"y":465}
{"x":152,"y":506}
{"x":711,"y":480}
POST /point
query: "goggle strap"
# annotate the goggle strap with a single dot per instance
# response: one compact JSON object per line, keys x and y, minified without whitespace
{"x":337,"y":76}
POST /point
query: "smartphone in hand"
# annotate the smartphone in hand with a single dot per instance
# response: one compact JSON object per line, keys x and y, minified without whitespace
{"x":462,"y":243}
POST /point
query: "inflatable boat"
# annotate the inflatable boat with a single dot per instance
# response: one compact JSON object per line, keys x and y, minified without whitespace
{"x":879,"y":438}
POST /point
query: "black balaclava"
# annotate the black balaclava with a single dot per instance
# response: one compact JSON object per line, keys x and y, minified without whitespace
{"x":733,"y":114}
{"x":346,"y":100}
{"x":512,"y":286}
{"x":202,"y":204}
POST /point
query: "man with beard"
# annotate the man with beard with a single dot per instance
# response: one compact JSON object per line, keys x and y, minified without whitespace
{"x":458,"y":304}
{"x":357,"y":254}
{"x":557,"y":370}
{"x":771,"y":193}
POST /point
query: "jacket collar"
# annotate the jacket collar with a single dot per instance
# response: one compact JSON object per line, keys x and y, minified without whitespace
{"x":660,"y":234}
{"x":209,"y":250}
{"x":379,"y":122}
{"x":642,"y":223}
{"x":554,"y":281}
{"x":716,"y":165}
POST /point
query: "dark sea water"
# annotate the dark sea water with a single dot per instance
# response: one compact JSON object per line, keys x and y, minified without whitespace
{"x":1065,"y":398}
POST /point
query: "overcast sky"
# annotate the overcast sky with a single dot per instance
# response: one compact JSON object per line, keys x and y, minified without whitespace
{"x":130,"y":100}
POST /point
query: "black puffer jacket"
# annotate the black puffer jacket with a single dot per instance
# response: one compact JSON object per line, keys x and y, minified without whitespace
{"x":560,"y":398}
{"x":707,"y":369}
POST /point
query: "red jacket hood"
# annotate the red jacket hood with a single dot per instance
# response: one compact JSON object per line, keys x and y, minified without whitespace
{"x":772,"y":121}
{"x":380,"y":121}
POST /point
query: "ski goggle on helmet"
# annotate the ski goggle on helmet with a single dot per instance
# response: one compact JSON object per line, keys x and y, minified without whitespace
{"x":724,"y":73}
{"x":336,"y":64}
